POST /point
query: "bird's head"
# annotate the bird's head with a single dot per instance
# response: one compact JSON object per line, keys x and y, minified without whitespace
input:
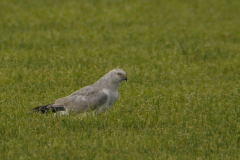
{"x":117,"y":75}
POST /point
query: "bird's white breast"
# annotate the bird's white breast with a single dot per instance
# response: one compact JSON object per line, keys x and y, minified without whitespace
{"x":112,"y":97}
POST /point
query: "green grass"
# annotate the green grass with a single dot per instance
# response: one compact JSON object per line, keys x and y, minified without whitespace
{"x":182,"y":100}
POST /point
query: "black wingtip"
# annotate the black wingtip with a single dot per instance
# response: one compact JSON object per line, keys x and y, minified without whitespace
{"x":47,"y":108}
{"x":42,"y":109}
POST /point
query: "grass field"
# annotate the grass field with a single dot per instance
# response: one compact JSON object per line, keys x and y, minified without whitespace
{"x":182,"y":100}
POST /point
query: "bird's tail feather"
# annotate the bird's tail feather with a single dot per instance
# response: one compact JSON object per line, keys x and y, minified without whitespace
{"x":48,"y":108}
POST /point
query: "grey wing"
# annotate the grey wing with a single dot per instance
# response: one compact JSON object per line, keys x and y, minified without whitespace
{"x":84,"y":99}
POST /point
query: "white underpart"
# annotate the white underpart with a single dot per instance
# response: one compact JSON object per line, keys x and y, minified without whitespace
{"x":61,"y":113}
{"x":64,"y":112}
{"x":112,"y":97}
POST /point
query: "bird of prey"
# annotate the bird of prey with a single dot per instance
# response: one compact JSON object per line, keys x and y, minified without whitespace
{"x":99,"y":96}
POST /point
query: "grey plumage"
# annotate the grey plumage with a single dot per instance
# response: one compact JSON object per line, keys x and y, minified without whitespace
{"x":101,"y":95}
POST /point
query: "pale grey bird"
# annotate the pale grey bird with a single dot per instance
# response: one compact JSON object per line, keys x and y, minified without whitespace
{"x":101,"y":96}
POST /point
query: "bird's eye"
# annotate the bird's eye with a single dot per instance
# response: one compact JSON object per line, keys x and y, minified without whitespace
{"x":119,"y":74}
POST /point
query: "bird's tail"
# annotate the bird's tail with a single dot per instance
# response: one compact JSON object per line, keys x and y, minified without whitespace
{"x":48,"y":108}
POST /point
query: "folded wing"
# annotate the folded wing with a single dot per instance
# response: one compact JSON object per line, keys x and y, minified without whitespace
{"x":87,"y":98}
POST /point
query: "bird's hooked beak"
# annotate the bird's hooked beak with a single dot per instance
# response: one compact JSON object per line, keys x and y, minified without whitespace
{"x":125,"y":78}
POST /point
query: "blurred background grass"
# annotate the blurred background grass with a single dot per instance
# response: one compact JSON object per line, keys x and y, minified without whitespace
{"x":181,"y":57}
